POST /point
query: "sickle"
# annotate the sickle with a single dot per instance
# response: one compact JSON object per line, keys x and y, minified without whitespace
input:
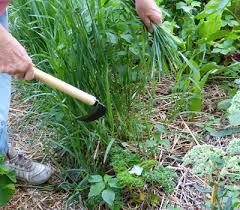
{"x":99,"y":108}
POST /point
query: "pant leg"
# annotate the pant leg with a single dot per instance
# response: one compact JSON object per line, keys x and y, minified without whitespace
{"x":5,"y":96}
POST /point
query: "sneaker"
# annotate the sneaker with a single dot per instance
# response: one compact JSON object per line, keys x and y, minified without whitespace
{"x":26,"y":169}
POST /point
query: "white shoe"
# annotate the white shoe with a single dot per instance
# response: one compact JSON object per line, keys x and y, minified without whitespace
{"x":26,"y":169}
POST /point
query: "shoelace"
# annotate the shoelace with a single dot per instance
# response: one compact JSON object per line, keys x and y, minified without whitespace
{"x":21,"y":160}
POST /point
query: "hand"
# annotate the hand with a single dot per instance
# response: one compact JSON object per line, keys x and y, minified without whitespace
{"x":149,"y":12}
{"x":14,"y":59}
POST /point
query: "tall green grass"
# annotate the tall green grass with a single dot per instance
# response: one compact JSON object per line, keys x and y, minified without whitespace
{"x":97,"y":46}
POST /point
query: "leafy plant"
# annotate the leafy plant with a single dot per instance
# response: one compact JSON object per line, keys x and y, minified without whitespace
{"x":217,"y":165}
{"x":104,"y":187}
{"x":208,"y":37}
{"x":7,"y":183}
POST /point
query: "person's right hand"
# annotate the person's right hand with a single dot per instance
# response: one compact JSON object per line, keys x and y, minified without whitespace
{"x":149,"y":12}
{"x":14,"y":59}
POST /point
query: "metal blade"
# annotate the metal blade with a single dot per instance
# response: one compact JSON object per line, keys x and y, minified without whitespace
{"x":98,"y":111}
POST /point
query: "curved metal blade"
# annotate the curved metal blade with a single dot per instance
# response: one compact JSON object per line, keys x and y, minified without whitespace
{"x":99,"y":111}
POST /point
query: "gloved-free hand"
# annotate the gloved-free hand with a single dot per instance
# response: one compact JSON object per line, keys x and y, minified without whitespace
{"x":149,"y":12}
{"x":14,"y":59}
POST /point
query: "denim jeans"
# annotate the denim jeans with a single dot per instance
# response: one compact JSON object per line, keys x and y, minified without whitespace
{"x":5,"y":96}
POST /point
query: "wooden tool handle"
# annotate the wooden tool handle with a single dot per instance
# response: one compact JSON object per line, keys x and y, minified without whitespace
{"x":64,"y":87}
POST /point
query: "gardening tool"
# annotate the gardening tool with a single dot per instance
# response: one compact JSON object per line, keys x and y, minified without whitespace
{"x":70,"y":90}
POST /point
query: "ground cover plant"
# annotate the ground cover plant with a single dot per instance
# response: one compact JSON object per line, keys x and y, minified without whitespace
{"x":7,"y":183}
{"x":104,"y":49}
{"x":221,"y":167}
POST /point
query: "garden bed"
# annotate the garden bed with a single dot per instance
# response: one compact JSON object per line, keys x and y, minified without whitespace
{"x":31,"y":135}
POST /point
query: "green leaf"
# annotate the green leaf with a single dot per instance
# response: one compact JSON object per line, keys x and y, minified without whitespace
{"x":7,"y":187}
{"x":184,"y":7}
{"x":223,"y":133}
{"x":108,"y":196}
{"x":218,"y":35}
{"x":157,"y":137}
{"x":108,"y":150}
{"x":106,"y":178}
{"x":96,"y":189}
{"x":113,"y":183}
{"x":234,"y":110}
{"x":6,"y":193}
{"x":236,"y":204}
{"x":151,"y":143}
{"x":7,"y":183}
{"x":196,"y":4}
{"x":161,"y":128}
{"x":1,"y":160}
{"x":195,"y":102}
{"x":12,"y":176}
{"x":212,"y":7}
{"x":224,"y":105}
{"x":210,"y":26}
{"x":234,"y":118}
{"x":201,"y":189}
{"x":95,"y":179}
{"x":209,"y":67}
{"x":165,"y":142}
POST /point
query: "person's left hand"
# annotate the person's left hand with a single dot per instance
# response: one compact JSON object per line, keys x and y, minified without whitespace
{"x":149,"y":12}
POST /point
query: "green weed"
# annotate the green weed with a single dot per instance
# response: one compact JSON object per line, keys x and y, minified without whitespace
{"x":7,"y":183}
